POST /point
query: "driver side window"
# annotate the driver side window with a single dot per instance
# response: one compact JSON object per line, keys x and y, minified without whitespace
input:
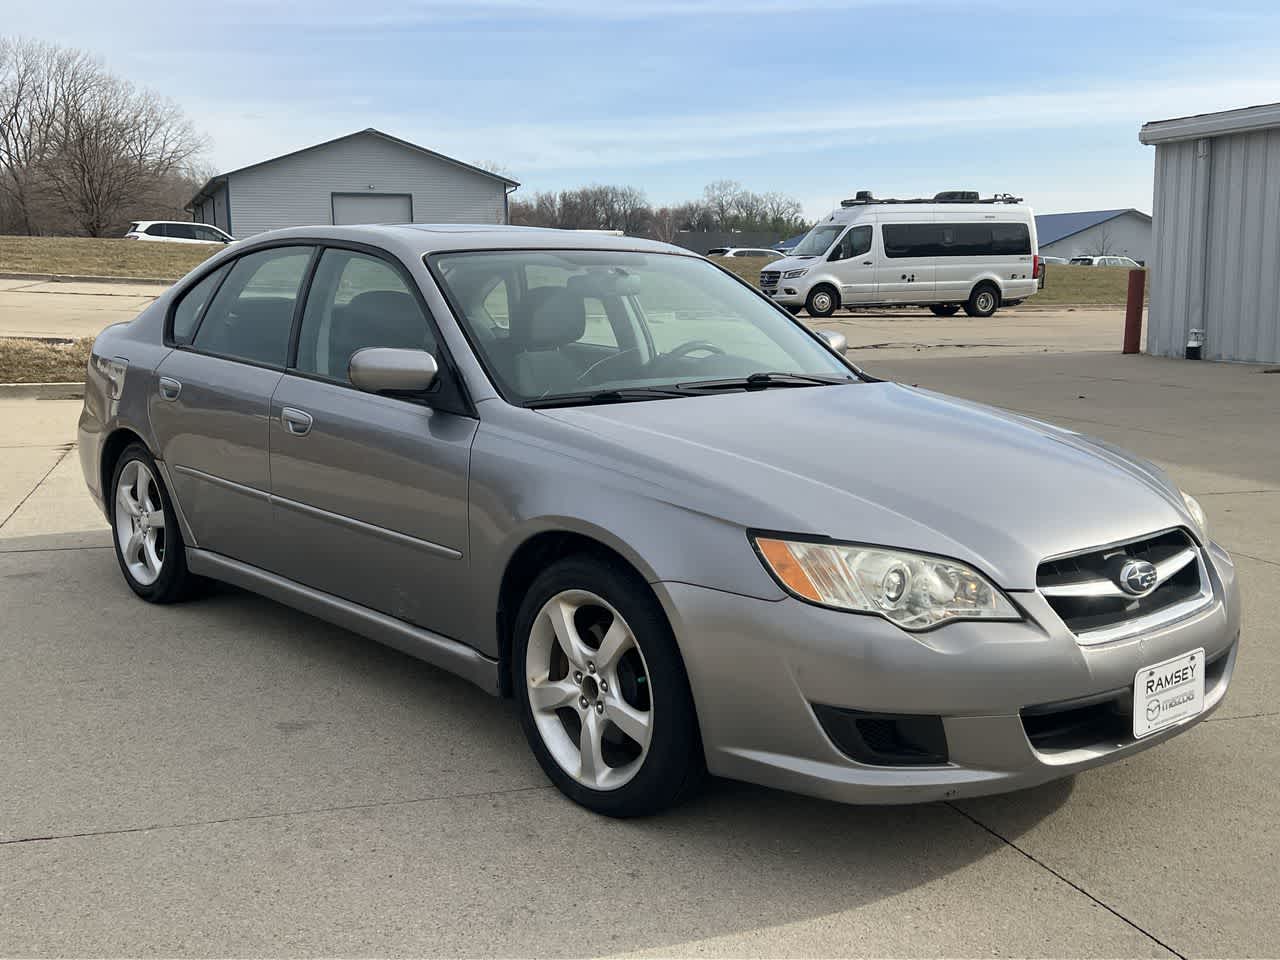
{"x":855,"y":243}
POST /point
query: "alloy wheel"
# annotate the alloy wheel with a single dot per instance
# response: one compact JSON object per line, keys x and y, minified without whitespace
{"x":589,"y":690}
{"x":140,"y":522}
{"x":985,"y":301}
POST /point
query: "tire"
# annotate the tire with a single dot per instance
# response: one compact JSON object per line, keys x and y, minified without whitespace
{"x":151,"y":555}
{"x":983,"y":301}
{"x":822,"y":301}
{"x":591,"y":606}
{"x":794,"y":310}
{"x":945,"y":309}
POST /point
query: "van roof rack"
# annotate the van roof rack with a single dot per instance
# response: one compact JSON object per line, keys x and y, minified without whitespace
{"x":864,"y":198}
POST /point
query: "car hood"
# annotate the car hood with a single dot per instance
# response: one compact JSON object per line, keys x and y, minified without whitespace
{"x":891,"y":465}
{"x":790,"y":263}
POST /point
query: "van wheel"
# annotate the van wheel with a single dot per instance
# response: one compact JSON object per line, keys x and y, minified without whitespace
{"x":793,"y":310}
{"x":822,"y":301}
{"x":945,"y":309}
{"x":983,"y":301}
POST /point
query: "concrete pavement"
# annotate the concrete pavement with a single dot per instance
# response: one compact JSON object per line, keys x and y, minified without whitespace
{"x":231,"y":777}
{"x":68,"y":310}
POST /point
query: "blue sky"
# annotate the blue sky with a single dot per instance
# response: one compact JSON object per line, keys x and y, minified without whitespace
{"x":816,"y":98}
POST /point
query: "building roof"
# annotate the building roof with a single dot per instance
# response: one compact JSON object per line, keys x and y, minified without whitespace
{"x":1052,"y":227}
{"x":213,"y":181}
{"x":1261,"y":117}
{"x":790,"y":242}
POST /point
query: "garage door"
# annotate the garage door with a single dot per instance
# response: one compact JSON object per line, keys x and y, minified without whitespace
{"x":372,"y":208}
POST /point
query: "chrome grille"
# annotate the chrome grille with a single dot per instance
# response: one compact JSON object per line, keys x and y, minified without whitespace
{"x":769,"y":278}
{"x":1084,"y":588}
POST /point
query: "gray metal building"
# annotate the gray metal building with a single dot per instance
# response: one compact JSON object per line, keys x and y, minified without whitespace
{"x":364,"y":177}
{"x":1124,"y":233}
{"x":1215,"y":260}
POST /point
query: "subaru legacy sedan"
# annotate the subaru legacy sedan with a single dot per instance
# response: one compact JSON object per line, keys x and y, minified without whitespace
{"x":607,"y":478}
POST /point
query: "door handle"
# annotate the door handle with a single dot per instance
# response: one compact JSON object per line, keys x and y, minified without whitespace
{"x":297,"y":422}
{"x":170,"y":388}
{"x":867,"y":263}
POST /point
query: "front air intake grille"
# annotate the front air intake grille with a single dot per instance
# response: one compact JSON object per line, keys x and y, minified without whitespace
{"x":770,"y":278}
{"x":885,"y":739}
{"x":1089,"y":590}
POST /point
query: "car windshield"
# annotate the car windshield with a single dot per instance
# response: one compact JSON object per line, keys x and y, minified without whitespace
{"x":565,"y":323}
{"x":817,"y":241}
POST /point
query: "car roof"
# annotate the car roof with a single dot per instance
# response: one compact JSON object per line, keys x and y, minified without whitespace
{"x":415,"y":239}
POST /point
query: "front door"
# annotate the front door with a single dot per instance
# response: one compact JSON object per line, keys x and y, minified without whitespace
{"x":212,"y":398}
{"x":853,"y":264}
{"x":369,"y":492}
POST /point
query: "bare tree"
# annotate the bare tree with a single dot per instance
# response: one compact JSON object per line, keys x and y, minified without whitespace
{"x":720,"y":197}
{"x":1103,"y":245}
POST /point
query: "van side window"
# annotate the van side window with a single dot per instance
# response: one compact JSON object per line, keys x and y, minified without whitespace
{"x":956,"y":240}
{"x":855,"y":243}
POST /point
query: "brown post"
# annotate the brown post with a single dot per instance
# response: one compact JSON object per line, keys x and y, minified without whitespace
{"x":1133,"y":310}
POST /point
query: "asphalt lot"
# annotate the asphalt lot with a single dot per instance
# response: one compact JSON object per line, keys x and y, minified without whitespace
{"x":230,"y":777}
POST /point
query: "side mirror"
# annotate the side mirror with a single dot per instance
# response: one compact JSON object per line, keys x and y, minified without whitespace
{"x":392,"y":370}
{"x":835,"y":341}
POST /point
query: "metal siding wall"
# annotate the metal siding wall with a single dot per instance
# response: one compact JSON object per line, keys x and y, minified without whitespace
{"x":1243,"y":307}
{"x":1178,"y":241}
{"x":296,"y":191}
{"x":220,"y":210}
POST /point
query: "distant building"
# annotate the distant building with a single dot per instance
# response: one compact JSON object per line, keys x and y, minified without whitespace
{"x":1215,"y":263}
{"x":1121,"y":233}
{"x":364,"y":177}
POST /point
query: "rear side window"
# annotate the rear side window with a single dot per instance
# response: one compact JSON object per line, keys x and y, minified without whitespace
{"x":181,"y":231}
{"x":357,"y":301}
{"x":156,"y":230}
{"x":186,"y":315}
{"x":251,"y":315}
{"x":956,"y":239}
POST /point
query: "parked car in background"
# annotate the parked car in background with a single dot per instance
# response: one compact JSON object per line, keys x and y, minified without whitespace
{"x":177,"y":231}
{"x":950,"y":252}
{"x":1044,"y":259}
{"x":758,"y":252}
{"x":602,"y":476}
{"x":1107,"y":261}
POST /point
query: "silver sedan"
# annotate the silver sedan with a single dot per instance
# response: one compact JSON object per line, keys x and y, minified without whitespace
{"x":608,"y":479}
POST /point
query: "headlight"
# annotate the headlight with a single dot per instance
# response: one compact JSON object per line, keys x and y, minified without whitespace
{"x":1197,"y":514}
{"x":793,"y":274}
{"x":913,"y":590}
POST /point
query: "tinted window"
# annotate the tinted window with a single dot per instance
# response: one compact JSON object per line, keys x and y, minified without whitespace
{"x":855,"y":243}
{"x":956,"y":239}
{"x":156,"y":230}
{"x":181,"y":231}
{"x":252,"y":313}
{"x":187,"y":313}
{"x":357,"y":301}
{"x":207,"y":233}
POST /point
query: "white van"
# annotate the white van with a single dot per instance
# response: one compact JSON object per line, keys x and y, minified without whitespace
{"x":945,"y":253}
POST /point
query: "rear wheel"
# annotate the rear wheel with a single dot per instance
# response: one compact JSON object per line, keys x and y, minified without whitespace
{"x":793,"y":310}
{"x":604,"y":698}
{"x":983,"y":300}
{"x":145,"y":530}
{"x":822,"y":301}
{"x":945,"y":309}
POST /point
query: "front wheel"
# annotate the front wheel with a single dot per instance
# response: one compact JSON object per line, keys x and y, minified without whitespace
{"x":945,"y":309}
{"x":822,"y":301}
{"x":604,"y":698}
{"x":145,"y":530}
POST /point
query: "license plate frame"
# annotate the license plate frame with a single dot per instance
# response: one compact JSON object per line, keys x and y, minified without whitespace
{"x":1167,"y":693}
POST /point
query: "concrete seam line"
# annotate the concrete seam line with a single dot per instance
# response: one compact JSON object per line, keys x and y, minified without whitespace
{"x":6,"y":551}
{"x":1248,"y":716}
{"x":81,"y":278}
{"x":341,"y":808}
{"x":56,"y":390}
{"x":69,"y":447}
{"x":1249,"y":556}
{"x":1074,"y":886}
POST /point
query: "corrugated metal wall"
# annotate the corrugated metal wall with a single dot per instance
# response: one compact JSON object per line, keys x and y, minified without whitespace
{"x":1216,"y":247}
{"x":297,"y":191}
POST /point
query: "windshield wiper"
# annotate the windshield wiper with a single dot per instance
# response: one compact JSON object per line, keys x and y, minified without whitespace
{"x":763,"y":381}
{"x":617,"y":395}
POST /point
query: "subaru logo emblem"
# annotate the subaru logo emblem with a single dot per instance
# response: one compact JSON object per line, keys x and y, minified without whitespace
{"x":1137,"y":577}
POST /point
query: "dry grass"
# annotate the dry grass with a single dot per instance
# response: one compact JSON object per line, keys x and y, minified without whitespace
{"x":86,"y":256}
{"x":43,"y":361}
{"x":1065,"y":285}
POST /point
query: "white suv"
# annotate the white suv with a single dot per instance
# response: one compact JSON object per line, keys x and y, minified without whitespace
{"x":176,"y":231}
{"x":760,"y":252}
{"x":1105,"y":262}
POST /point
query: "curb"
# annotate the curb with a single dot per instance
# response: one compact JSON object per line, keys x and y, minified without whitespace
{"x":77,"y":278}
{"x":70,"y":390}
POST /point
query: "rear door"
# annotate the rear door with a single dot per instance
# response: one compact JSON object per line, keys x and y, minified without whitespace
{"x":210,"y":411}
{"x":905,"y":272}
{"x":370,"y":492}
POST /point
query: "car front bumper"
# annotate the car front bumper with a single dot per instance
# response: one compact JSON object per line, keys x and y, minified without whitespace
{"x":758,"y":667}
